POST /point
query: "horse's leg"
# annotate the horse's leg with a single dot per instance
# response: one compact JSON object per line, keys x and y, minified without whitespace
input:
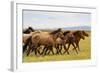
{"x":48,"y":52}
{"x":35,"y":50}
{"x":43,"y":50}
{"x":66,"y":50}
{"x":51,"y":49}
{"x":75,"y":48}
{"x":60,"y":48}
{"x":46,"y":49}
{"x":24,"y":48}
{"x":26,"y":44}
{"x":38,"y":49}
{"x":78,"y":46}
{"x":30,"y":48}
{"x":57,"y":48}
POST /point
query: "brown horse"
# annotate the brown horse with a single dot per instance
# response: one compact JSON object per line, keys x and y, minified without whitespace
{"x":78,"y":38}
{"x":26,"y":39}
{"x":46,"y":39}
{"x":61,"y":42}
{"x":73,"y":38}
{"x":69,"y":37}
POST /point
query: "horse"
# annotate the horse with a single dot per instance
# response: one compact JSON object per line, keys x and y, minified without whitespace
{"x":47,"y":39}
{"x":69,"y":37}
{"x":78,"y":38}
{"x":26,"y":39}
{"x":73,"y":38}
{"x":61,"y":42}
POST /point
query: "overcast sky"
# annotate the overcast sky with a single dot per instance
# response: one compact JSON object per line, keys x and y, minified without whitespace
{"x":48,"y":20}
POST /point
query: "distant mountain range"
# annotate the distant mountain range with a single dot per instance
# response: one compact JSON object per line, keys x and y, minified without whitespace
{"x":78,"y":28}
{"x":71,"y":28}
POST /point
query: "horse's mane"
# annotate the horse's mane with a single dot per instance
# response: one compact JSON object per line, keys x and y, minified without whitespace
{"x":54,"y":32}
{"x":66,"y":32}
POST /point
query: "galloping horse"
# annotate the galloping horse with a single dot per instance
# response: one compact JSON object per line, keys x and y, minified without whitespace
{"x":61,"y":42}
{"x":78,"y":38}
{"x":73,"y":38}
{"x":69,"y":37}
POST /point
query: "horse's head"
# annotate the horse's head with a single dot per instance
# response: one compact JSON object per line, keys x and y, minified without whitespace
{"x":79,"y":34}
{"x":85,"y":34}
{"x":66,"y":32}
{"x":57,"y":33}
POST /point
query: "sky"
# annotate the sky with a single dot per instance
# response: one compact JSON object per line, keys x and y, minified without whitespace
{"x":52,"y":20}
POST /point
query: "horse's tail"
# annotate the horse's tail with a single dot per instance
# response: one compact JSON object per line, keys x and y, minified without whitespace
{"x":27,"y":43}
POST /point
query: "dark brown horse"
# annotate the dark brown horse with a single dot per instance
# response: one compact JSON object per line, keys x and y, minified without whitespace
{"x":73,"y":38}
{"x":78,"y":38}
{"x":69,"y":37}
{"x":46,"y":39}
